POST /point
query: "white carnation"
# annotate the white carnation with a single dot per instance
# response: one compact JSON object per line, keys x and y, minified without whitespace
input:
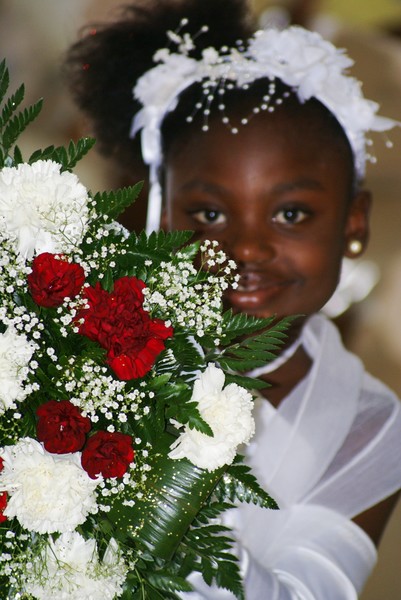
{"x":69,"y":569}
{"x":228,"y":411}
{"x":15,"y":353}
{"x":42,"y":209}
{"x":47,"y":492}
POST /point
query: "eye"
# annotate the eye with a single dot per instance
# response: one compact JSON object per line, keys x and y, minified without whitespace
{"x":290,"y":216}
{"x":209,"y":217}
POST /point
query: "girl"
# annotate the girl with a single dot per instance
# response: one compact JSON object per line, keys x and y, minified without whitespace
{"x":261,"y":144}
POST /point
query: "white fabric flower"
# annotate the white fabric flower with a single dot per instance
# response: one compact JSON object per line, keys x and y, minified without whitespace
{"x":42,"y":209}
{"x":15,"y":353}
{"x":69,"y":569}
{"x":228,"y":411}
{"x":47,"y":492}
{"x":167,"y":76}
{"x":302,"y":59}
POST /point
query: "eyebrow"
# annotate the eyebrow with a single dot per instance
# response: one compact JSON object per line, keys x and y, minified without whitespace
{"x":298,"y":184}
{"x":204,"y":186}
{"x":303,"y":183}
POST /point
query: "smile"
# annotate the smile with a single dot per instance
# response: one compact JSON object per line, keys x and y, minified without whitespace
{"x":256,"y":290}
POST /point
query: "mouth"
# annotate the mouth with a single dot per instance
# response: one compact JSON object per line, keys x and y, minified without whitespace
{"x":256,"y":291}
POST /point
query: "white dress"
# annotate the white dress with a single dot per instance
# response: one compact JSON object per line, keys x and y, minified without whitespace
{"x":331,"y":450}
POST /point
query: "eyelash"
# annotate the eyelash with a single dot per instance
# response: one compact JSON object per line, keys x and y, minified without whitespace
{"x":300,"y":215}
{"x":197,"y":216}
{"x":292,"y":216}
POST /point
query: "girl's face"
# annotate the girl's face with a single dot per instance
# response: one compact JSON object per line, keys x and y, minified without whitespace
{"x":277,"y":198}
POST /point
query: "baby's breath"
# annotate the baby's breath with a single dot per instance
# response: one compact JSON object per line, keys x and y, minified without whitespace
{"x":192,"y":298}
{"x":91,"y":387}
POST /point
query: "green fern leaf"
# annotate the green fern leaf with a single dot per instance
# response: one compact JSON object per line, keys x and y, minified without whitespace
{"x":18,"y":124}
{"x":237,"y":325}
{"x":77,"y":151}
{"x":161,"y":242}
{"x":4,"y":80}
{"x":254,"y":351}
{"x":114,"y":203}
{"x":228,"y":577}
{"x":18,"y":158}
{"x":249,"y":383}
{"x":211,"y":511}
{"x":208,"y":570}
{"x":185,"y":358}
{"x":238,"y":483}
{"x":165,"y":581}
{"x":236,"y":364}
{"x":193,"y":418}
{"x":189,"y":252}
{"x":46,"y":154}
{"x":61,"y":156}
{"x":11,"y":105}
{"x":217,"y":563}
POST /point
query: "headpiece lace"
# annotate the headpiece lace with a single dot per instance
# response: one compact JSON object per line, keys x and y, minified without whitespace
{"x":311,"y":66}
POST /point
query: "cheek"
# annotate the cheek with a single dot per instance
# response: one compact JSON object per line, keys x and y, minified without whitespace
{"x":320,"y":268}
{"x":318,"y":257}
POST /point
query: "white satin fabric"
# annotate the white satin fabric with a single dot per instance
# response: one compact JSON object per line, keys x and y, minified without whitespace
{"x":330,"y":451}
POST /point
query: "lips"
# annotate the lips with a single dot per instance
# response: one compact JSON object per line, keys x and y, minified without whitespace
{"x":257,"y":290}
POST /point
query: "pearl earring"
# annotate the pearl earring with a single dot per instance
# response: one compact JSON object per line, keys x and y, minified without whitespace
{"x":355,"y":247}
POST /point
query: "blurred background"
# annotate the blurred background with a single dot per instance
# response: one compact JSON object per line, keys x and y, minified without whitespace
{"x":34,"y":35}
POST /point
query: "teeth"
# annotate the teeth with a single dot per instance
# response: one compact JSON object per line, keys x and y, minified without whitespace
{"x":246,"y":288}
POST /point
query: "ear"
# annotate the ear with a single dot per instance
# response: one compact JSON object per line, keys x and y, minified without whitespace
{"x":357,"y":224}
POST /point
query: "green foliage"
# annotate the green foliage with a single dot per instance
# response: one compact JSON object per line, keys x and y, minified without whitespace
{"x":158,"y":246}
{"x":4,"y":79}
{"x":239,"y":325}
{"x":17,"y":124}
{"x":238,"y":483}
{"x":249,"y":383}
{"x":13,"y":122}
{"x":66,"y":157}
{"x":186,"y":357}
{"x":154,"y":583}
{"x":252,"y":350}
{"x":12,"y":103}
{"x":164,"y":581}
{"x":114,"y":203}
{"x":208,"y":549}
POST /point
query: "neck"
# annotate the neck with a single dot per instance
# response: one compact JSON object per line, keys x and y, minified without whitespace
{"x":283,"y":380}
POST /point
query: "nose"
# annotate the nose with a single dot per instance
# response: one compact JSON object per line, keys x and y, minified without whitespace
{"x":250,"y":244}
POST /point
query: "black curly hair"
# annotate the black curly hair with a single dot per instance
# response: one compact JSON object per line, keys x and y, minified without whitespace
{"x":102,"y":67}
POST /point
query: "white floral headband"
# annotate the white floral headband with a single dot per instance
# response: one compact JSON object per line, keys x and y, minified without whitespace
{"x":301,"y":59}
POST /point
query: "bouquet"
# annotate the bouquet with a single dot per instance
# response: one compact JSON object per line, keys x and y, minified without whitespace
{"x":122,"y":404}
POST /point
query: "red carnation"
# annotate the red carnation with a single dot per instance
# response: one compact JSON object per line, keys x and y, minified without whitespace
{"x":117,"y":321}
{"x":3,"y":506}
{"x":61,"y":427}
{"x":3,"y":499}
{"x":107,"y":454}
{"x":53,"y":279}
